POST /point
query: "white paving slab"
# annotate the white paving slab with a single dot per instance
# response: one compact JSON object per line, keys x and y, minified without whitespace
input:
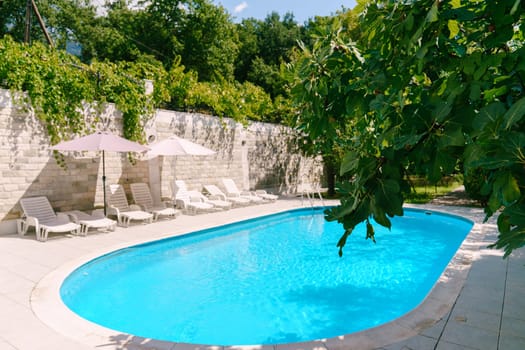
{"x":478,"y":302}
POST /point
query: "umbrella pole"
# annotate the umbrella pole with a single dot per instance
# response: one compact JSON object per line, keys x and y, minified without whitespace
{"x":104,"y":179}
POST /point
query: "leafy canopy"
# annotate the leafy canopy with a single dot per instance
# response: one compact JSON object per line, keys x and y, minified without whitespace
{"x":425,"y":87}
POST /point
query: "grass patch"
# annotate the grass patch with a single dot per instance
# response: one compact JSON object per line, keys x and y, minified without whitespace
{"x":424,"y":193}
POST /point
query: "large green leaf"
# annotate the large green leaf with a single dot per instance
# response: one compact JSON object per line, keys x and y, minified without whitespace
{"x":367,"y":167}
{"x":453,"y":136}
{"x":432,"y":15}
{"x":442,"y":111}
{"x":380,"y":217}
{"x":511,"y":240}
{"x":349,"y":164}
{"x":514,"y":145}
{"x":516,"y":214}
{"x":514,"y":114}
{"x":453,"y":28}
{"x":388,"y":198}
{"x":491,"y":94}
{"x":506,"y":188}
{"x":407,"y":141}
{"x":511,"y":225}
{"x":489,"y":114}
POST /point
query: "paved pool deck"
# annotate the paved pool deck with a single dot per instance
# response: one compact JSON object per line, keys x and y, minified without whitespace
{"x":478,"y":303}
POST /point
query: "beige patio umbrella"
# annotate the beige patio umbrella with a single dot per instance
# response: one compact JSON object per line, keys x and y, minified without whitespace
{"x":100,"y":141}
{"x":176,"y":146}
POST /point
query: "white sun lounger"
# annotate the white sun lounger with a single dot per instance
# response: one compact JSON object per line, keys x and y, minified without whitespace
{"x":215,"y":193}
{"x":118,"y":205}
{"x":194,"y":201}
{"x":188,"y":202}
{"x":96,"y":220}
{"x":265,"y":195}
{"x":233,"y":191}
{"x":217,"y":203}
{"x":142,"y":197}
{"x":38,"y":212}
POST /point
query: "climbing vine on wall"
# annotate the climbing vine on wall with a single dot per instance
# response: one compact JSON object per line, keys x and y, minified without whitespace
{"x":58,"y":86}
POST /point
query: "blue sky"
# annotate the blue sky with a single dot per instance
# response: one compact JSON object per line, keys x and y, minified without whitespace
{"x":302,"y":9}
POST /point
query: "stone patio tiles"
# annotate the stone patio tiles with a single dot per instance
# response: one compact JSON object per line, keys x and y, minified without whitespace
{"x":478,"y":303}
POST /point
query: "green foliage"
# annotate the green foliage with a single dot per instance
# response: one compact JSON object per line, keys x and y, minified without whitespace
{"x":264,"y":46}
{"x":238,"y":101}
{"x":476,"y":185}
{"x":58,"y":86}
{"x":426,"y":87}
{"x":200,"y":33}
{"x":193,"y":39}
{"x":54,"y":88}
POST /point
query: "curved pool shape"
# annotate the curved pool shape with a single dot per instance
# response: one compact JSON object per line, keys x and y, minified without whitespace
{"x":275,"y":279}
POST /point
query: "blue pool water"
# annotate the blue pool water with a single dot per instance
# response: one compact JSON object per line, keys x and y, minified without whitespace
{"x":276,"y":279}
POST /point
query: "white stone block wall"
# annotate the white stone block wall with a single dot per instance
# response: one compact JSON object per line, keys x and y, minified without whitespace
{"x":259,"y":155}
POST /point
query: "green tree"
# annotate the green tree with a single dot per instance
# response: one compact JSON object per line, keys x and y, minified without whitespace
{"x":61,"y":18}
{"x":427,"y":87}
{"x":203,"y":36}
{"x":122,"y":34}
{"x":265,"y":45}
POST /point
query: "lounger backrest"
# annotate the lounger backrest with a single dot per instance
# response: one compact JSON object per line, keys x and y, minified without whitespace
{"x":117,"y":197}
{"x":213,"y":190}
{"x":180,"y":191}
{"x":230,"y":186}
{"x":196,"y":196}
{"x":38,"y":207}
{"x":141,"y":194}
{"x":181,"y":185}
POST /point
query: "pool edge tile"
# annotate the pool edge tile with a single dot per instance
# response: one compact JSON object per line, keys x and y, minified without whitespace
{"x":423,"y":317}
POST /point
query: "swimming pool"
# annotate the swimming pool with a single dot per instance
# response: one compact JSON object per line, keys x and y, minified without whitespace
{"x":197,"y":288}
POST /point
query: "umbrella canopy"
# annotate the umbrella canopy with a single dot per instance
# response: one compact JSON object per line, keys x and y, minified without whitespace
{"x":176,"y":146}
{"x":100,"y":141}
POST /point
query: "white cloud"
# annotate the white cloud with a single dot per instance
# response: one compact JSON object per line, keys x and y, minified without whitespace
{"x":241,"y":7}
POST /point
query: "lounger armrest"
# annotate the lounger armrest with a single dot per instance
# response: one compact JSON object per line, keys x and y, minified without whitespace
{"x":180,"y":203}
{"x":25,"y":222}
{"x":63,"y":218}
{"x":247,"y":193}
{"x":135,"y":207}
{"x":111,"y":210}
{"x":72,"y":217}
{"x":195,"y":197}
{"x":138,"y":207}
{"x":167,"y":204}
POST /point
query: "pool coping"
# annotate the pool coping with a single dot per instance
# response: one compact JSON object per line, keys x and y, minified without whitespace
{"x":49,"y":308}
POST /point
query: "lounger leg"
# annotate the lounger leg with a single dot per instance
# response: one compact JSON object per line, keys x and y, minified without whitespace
{"x":43,"y":235}
{"x":21,"y":227}
{"x":38,"y":232}
{"x":121,"y":220}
